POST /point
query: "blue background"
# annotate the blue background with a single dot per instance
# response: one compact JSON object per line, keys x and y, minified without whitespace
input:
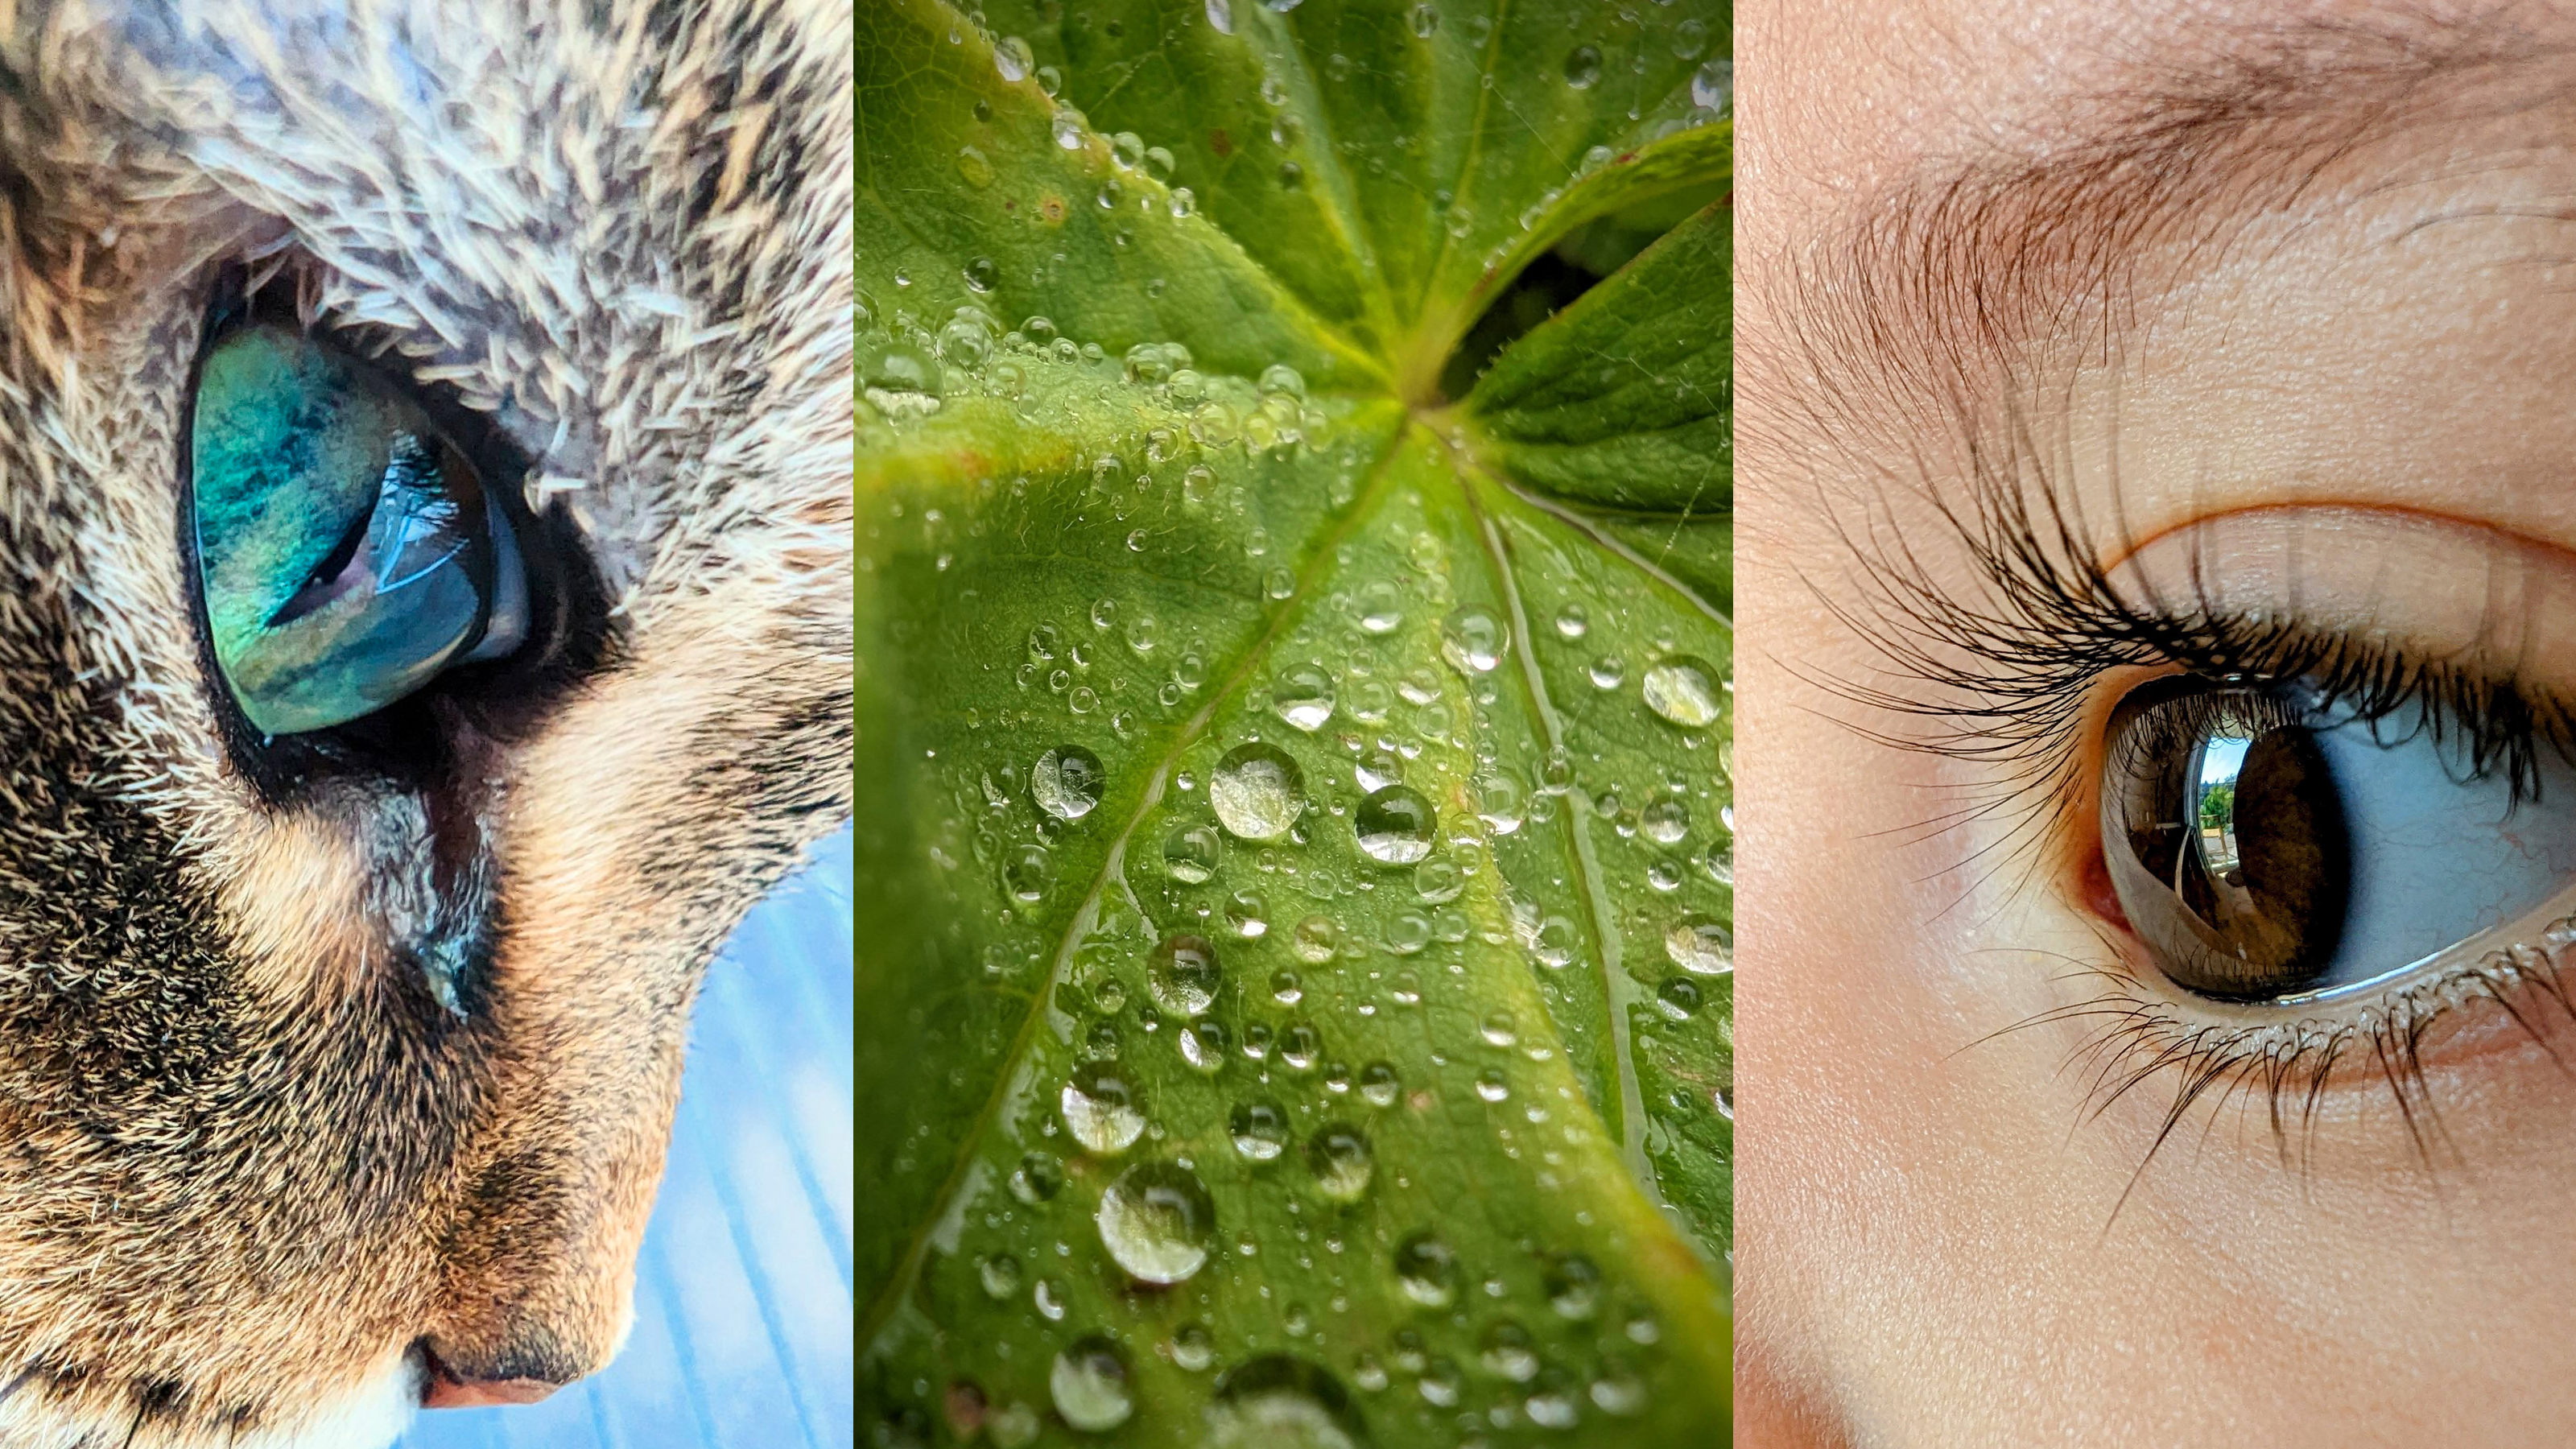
{"x":743,"y":1305}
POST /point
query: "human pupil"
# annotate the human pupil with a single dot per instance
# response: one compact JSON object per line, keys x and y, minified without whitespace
{"x":2251,"y":841}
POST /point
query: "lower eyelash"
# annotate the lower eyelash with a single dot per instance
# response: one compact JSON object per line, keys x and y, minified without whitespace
{"x":2293,"y":1061}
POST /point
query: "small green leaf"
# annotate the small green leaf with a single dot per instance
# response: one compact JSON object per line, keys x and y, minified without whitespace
{"x":1295,"y":869}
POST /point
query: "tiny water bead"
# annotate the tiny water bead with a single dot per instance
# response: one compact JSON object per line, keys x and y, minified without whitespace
{"x":1315,"y":940}
{"x":1303,"y":696}
{"x":1183,"y":974}
{"x":1572,"y":622}
{"x":1684,"y":690}
{"x":1379,"y":1084}
{"x":1491,"y":1086}
{"x":1259,"y":1128}
{"x":1700,"y":945}
{"x":1473,"y":640}
{"x":1203,"y":1043}
{"x":1608,"y":672}
{"x":1193,"y":1347}
{"x":1000,"y":1275}
{"x":1027,"y":873}
{"x":1089,"y":1385}
{"x":1066,"y":782}
{"x":1341,"y":1160}
{"x":1100,"y":1108}
{"x":1257,"y":790}
{"x":1380,"y":608}
{"x":1678,"y":997}
{"x":1507,"y":1352}
{"x":1156,"y":1221}
{"x":1426,"y":1269}
{"x":1191,"y":854}
{"x":1286,"y":989}
{"x":1665,"y":822}
{"x":1573,"y":1286}
{"x":1396,"y":826}
{"x":1038,"y":1178}
{"x":1582,"y":67}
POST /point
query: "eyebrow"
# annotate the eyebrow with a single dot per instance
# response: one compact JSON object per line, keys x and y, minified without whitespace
{"x":1934,"y":283}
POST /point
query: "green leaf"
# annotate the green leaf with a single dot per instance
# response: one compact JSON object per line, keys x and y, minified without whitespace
{"x":1406,"y":1121}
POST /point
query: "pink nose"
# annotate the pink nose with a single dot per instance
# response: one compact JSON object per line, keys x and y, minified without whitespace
{"x":450,"y":1393}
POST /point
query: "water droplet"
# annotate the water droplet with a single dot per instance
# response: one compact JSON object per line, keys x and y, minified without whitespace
{"x":1719,"y":862}
{"x":1684,"y":690}
{"x":1380,"y":607}
{"x":1690,"y":38}
{"x":1425,"y":20}
{"x":1000,"y":1274}
{"x":1101,"y":1109}
{"x":1089,"y":1384}
{"x":1473,"y":640}
{"x":1303,"y":696}
{"x":1291,"y":175}
{"x":1066,"y":782}
{"x":1259,"y":1128}
{"x":975,"y":166}
{"x":1280,"y":1402}
{"x":1409,"y":932}
{"x":1439,"y":1383}
{"x":1608,"y":671}
{"x":1280,"y":7}
{"x":1665,"y":875}
{"x":1426,"y":1270}
{"x":1665,"y":822}
{"x":1156,"y":1220}
{"x":1220,"y":13}
{"x":1049,"y":1300}
{"x":1678,"y":998}
{"x":1582,"y":67}
{"x":1191,"y":854}
{"x":1012,"y":58}
{"x":1256,"y":790}
{"x":1501,"y":803}
{"x":1066,"y":127}
{"x":1285,"y":988}
{"x":1554,"y":943}
{"x":1713,"y":85}
{"x":1038,"y":1178}
{"x":1395,"y":825}
{"x":1378,"y":769}
{"x":1572,"y":622}
{"x":1438,"y":882}
{"x":1491,"y":1086}
{"x":1573,"y":1286}
{"x":1316,"y":939}
{"x":1341,"y":1160}
{"x":1506,"y":1351}
{"x":1619,"y":1392}
{"x":1028,"y":872}
{"x":1552,"y":1404}
{"x":1299,"y":1045}
{"x":1700,"y":945}
{"x":1203,"y":1043}
{"x":1246,"y":913}
{"x":1499,"y":1029}
{"x":1012,"y":1426}
{"x":1183,"y":974}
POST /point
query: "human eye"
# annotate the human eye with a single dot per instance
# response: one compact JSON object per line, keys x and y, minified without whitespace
{"x":347,"y":550}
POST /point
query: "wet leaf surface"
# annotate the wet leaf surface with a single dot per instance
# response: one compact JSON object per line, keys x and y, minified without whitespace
{"x":1295,"y":855}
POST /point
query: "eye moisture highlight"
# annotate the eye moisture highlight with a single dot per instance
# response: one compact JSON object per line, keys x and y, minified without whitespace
{"x":348,"y":551}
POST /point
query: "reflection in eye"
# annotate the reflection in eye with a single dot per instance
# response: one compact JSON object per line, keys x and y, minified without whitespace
{"x":2265,"y":851}
{"x":348,"y":552}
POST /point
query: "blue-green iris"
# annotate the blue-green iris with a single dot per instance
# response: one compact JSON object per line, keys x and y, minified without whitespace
{"x":347,"y":549}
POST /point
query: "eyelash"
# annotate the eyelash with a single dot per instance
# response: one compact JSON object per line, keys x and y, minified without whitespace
{"x":2010,"y":683}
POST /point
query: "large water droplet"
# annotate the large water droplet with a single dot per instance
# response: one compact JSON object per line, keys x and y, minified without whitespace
{"x":1280,"y":1402}
{"x":1473,"y":640}
{"x":1380,"y":607}
{"x":1426,"y":1270}
{"x":1582,"y":67}
{"x":1000,"y":1274}
{"x":1028,"y":872}
{"x":1316,"y":939}
{"x":1341,"y":1160}
{"x":1156,"y":1220}
{"x":1713,"y":85}
{"x":1665,"y":822}
{"x":1438,"y":882}
{"x":1203,"y":1043}
{"x":1700,"y":945}
{"x":1573,"y":1286}
{"x":1303,"y":696}
{"x":1684,"y":690}
{"x":1191,"y":854}
{"x":1378,"y":1083}
{"x":1101,"y":1108}
{"x":1012,"y":58}
{"x":1259,"y":1129}
{"x":1089,"y":1382}
{"x":1193,"y":1347}
{"x":1038,"y":1178}
{"x":1257,"y":791}
{"x":1184,"y":975}
{"x":1395,"y":825}
{"x":1066,"y":782}
{"x":1507,"y":1351}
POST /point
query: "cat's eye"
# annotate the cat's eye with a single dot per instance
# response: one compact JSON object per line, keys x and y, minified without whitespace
{"x":347,"y":549}
{"x":2264,"y":849}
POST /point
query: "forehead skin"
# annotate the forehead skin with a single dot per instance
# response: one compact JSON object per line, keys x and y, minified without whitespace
{"x":2371,"y":309}
{"x":246,"y":1162}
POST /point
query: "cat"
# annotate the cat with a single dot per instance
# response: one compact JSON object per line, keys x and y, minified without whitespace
{"x":337,"y":1066}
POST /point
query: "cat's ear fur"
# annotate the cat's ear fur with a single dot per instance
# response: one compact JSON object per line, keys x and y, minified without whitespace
{"x":246,"y":1161}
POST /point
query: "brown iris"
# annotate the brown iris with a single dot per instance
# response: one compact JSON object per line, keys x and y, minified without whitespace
{"x":2226,"y":841}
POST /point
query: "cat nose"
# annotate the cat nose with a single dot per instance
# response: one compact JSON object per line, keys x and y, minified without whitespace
{"x":462,"y":1378}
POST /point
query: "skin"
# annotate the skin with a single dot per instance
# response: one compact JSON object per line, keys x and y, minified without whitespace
{"x":2339,"y":396}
